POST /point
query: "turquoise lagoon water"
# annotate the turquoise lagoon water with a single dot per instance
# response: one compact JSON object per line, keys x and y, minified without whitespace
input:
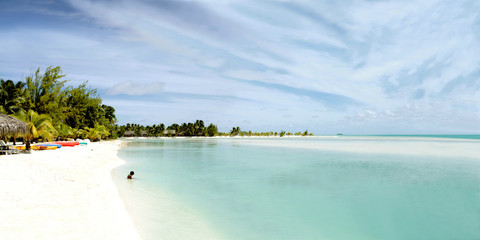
{"x":303,"y":188}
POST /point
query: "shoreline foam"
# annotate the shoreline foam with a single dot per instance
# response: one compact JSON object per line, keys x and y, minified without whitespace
{"x":68,"y":193}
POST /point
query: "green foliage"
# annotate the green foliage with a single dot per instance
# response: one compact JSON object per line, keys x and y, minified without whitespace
{"x":39,"y":125}
{"x":44,"y":93}
{"x":211,"y":130}
{"x":44,"y":101}
{"x":185,"y":129}
{"x":109,"y":114}
{"x":64,"y":131}
{"x":96,"y":133}
{"x":192,"y":129}
{"x":11,"y":96}
{"x":82,"y":106}
{"x":74,"y":111}
{"x":235,"y":131}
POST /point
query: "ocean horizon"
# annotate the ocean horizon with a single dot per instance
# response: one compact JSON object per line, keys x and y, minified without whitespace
{"x":326,"y":187}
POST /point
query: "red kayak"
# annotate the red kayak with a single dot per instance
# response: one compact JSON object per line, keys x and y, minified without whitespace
{"x":67,"y":143}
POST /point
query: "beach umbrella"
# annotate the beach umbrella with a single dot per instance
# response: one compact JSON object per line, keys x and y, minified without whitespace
{"x":10,"y":125}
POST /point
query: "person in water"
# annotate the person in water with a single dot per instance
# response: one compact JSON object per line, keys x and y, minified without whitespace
{"x":130,"y":175}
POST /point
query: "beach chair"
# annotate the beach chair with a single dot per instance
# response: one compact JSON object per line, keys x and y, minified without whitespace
{"x":5,"y":149}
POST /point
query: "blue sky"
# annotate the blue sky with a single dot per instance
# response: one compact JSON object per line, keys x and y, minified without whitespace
{"x":352,"y":66}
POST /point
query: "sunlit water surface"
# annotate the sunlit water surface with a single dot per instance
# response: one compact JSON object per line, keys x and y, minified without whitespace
{"x":303,"y":188}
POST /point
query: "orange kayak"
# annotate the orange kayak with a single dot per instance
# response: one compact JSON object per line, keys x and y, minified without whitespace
{"x":67,"y":143}
{"x":44,"y":147}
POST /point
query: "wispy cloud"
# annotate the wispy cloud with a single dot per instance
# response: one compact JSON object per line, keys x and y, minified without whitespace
{"x":136,"y":88}
{"x":332,"y":101}
{"x":329,"y":63}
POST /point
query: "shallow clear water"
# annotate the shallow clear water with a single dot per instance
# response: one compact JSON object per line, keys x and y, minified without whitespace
{"x":303,"y":188}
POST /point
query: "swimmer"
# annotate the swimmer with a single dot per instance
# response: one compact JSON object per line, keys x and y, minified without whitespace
{"x":130,"y":175}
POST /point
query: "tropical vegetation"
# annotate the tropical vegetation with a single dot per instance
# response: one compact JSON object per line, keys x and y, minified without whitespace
{"x":193,"y":129}
{"x":55,"y":110}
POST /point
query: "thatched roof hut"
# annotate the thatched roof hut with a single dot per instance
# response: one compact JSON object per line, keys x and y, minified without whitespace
{"x":10,"y":125}
{"x":129,"y":134}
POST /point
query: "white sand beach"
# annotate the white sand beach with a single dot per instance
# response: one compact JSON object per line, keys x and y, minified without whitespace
{"x":63,"y":194}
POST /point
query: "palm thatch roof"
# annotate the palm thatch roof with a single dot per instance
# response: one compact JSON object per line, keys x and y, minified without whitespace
{"x":10,"y":125}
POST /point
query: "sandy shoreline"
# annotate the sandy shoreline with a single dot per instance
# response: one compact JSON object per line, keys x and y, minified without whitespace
{"x":63,"y":194}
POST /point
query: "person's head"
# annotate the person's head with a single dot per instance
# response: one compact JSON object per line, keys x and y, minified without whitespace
{"x":131,"y":173}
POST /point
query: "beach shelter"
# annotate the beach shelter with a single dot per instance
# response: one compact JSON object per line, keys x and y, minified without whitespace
{"x":10,"y":125}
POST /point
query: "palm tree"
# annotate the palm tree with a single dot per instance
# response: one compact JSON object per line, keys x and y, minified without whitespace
{"x":160,"y":129}
{"x":39,"y":125}
{"x":96,"y":133}
{"x":92,"y":134}
{"x":175,"y":127}
{"x":109,"y":114}
{"x":199,"y":127}
{"x":64,"y":131}
{"x":10,"y":96}
{"x":79,"y":133}
{"x":235,"y":131}
{"x":211,"y":130}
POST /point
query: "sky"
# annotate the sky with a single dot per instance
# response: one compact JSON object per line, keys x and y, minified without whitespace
{"x":326,"y":66}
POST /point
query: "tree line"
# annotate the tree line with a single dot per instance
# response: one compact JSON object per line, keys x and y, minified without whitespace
{"x":195,"y":129}
{"x":54,"y":110}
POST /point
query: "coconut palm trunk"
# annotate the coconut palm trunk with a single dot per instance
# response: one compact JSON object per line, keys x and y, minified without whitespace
{"x":27,"y":145}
